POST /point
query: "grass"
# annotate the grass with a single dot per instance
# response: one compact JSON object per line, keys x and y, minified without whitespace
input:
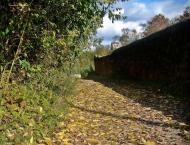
{"x":30,"y":111}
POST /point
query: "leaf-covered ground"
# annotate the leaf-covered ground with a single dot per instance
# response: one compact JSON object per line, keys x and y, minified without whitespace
{"x":100,"y":114}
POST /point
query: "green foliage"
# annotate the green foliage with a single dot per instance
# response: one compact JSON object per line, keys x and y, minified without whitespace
{"x":53,"y":33}
{"x":128,"y":36}
{"x":38,"y":34}
{"x":102,"y":51}
{"x":86,"y":63}
{"x":62,"y":27}
{"x":31,"y":111}
{"x":24,"y":64}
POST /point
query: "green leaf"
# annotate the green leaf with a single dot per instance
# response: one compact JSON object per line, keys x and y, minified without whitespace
{"x":7,"y":31}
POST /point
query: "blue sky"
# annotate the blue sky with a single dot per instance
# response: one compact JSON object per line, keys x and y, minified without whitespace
{"x":140,"y":11}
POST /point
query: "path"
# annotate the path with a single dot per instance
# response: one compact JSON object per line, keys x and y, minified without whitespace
{"x":100,"y":115}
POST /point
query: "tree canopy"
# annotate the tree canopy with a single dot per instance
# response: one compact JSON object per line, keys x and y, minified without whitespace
{"x":53,"y":30}
{"x":157,"y":23}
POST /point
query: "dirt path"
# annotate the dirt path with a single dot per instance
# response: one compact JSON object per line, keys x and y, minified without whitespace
{"x":102,"y":116}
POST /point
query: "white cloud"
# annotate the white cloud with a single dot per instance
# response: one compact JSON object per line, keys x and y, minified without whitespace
{"x":138,"y":12}
{"x":169,"y":8}
{"x":110,"y":29}
{"x":136,"y":7}
{"x":134,"y":25}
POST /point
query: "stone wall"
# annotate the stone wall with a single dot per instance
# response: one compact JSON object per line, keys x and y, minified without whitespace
{"x":164,"y":55}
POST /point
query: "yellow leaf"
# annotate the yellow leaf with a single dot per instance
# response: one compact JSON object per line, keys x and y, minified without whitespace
{"x":66,"y":141}
{"x":150,"y":143}
{"x":147,"y":142}
{"x":61,"y":135}
{"x":31,"y":140}
{"x":40,"y":109}
{"x":92,"y":140}
{"x":48,"y":141}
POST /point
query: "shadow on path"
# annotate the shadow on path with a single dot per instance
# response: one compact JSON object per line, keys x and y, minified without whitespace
{"x":148,"y":95}
{"x":140,"y":120}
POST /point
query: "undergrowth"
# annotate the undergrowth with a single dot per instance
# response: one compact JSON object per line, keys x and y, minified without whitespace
{"x":30,"y":111}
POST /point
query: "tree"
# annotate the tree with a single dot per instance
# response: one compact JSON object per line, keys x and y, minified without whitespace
{"x":127,"y":36}
{"x":124,"y":37}
{"x":57,"y":30}
{"x":186,"y":13}
{"x":157,"y":23}
{"x":102,"y":50}
{"x":184,"y":16}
